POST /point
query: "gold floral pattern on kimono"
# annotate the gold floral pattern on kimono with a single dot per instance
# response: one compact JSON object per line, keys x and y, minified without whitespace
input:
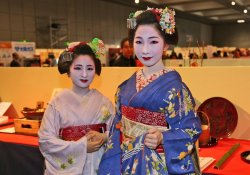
{"x":170,"y":107}
{"x":109,"y":145}
{"x":117,"y":102}
{"x":105,"y":114}
{"x":64,"y":164}
{"x":185,"y":104}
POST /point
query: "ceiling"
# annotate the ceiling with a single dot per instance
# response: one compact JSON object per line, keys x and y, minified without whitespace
{"x":207,"y":11}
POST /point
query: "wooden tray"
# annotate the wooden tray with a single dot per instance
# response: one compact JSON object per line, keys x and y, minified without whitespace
{"x":27,"y":127}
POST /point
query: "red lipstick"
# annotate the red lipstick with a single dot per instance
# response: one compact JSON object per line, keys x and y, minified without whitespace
{"x":146,"y":58}
{"x":84,"y":81}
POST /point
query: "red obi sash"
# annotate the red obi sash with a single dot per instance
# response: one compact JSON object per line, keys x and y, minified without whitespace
{"x":146,"y":117}
{"x":74,"y":133}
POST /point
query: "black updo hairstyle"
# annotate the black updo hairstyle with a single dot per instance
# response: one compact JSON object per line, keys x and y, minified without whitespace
{"x":149,"y":17}
{"x":66,"y":58}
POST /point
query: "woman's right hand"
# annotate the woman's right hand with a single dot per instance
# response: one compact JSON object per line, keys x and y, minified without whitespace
{"x":93,"y":144}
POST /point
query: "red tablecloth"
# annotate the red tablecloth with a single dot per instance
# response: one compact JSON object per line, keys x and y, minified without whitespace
{"x":18,"y":138}
{"x":233,"y":165}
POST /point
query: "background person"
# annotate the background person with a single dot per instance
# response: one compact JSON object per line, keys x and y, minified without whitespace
{"x":126,"y":58}
{"x":15,"y":61}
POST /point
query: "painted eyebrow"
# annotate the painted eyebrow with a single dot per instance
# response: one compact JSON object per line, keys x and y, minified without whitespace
{"x":152,"y":37}
{"x":78,"y":65}
{"x":82,"y":66}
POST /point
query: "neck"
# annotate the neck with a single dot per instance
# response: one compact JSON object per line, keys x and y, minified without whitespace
{"x":80,"y":91}
{"x":147,"y":71}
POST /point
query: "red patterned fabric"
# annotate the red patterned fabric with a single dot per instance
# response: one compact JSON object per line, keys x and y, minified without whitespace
{"x":74,"y":133}
{"x":144,"y":116}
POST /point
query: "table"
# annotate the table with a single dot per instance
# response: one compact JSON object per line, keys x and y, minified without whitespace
{"x":234,"y":165}
{"x":19,"y":154}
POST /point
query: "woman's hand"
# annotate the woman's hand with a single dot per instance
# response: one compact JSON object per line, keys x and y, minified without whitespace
{"x":95,"y":140}
{"x":153,"y":138}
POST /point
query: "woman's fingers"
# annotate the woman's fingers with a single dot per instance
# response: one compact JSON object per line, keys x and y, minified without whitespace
{"x":153,"y":138}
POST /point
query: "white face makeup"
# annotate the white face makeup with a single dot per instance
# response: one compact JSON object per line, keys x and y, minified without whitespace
{"x":149,"y":45}
{"x":82,"y":71}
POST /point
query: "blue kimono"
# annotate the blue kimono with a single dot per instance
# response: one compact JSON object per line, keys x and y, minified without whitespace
{"x":166,"y":95}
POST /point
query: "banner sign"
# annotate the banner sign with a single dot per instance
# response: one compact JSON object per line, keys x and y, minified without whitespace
{"x":23,"y":49}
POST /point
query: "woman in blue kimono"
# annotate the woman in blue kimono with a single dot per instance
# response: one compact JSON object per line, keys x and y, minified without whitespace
{"x":156,"y":127}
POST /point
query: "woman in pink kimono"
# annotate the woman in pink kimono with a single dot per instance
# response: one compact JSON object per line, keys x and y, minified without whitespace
{"x":73,"y":129}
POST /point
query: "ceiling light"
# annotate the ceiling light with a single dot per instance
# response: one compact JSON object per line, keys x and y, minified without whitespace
{"x":245,"y":11}
{"x":233,"y":3}
{"x":136,"y":1}
{"x":240,"y":21}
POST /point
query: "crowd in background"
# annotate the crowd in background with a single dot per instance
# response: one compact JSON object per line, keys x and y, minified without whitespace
{"x":125,"y":57}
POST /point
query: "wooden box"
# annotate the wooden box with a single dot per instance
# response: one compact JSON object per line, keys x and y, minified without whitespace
{"x":25,"y":126}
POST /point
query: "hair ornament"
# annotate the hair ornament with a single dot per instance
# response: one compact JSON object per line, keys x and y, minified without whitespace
{"x":165,"y":18}
{"x":66,"y":56}
{"x":72,"y":46}
{"x":98,"y":47}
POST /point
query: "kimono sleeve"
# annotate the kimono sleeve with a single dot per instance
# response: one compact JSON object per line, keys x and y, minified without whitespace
{"x":179,"y":141}
{"x":62,"y":157}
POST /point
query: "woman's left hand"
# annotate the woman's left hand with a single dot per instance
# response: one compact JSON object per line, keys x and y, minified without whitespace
{"x":153,"y":138}
{"x":97,"y":136}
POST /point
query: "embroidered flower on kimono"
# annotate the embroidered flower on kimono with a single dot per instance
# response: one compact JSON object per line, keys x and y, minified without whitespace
{"x":155,"y":171}
{"x":118,"y":125}
{"x":63,"y":166}
{"x":191,"y":132}
{"x":182,"y":155}
{"x":154,"y":157}
{"x":189,"y":147}
{"x":109,"y":145}
{"x":134,"y":166}
{"x":71,"y":160}
{"x":185,"y":167}
{"x":170,"y":96}
{"x":188,"y":105}
{"x":105,"y":114}
{"x":130,"y":146}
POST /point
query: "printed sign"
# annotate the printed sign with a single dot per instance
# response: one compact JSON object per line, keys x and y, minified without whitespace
{"x":5,"y":53}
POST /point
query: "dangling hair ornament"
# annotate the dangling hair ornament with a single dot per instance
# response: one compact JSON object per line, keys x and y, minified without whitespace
{"x":98,"y":47}
{"x":165,"y":18}
{"x":67,"y":55}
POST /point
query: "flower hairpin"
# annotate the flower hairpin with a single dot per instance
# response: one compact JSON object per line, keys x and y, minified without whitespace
{"x":96,"y":45}
{"x":165,"y":18}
